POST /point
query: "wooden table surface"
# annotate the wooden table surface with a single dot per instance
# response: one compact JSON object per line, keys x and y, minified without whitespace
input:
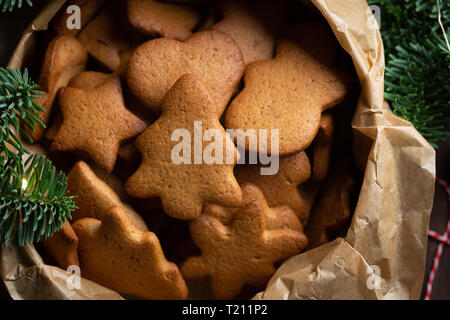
{"x":11,"y":26}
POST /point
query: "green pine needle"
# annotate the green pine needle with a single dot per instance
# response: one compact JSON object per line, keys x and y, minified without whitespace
{"x":417,"y":77}
{"x":17,"y":104}
{"x":33,"y":200}
{"x":10,"y":5}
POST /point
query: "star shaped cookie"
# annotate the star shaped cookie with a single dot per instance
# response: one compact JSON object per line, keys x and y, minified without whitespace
{"x":240,"y":254}
{"x":184,"y":186}
{"x":95,"y":122}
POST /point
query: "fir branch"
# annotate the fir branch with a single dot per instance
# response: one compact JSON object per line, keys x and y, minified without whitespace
{"x":17,"y":103}
{"x":33,"y":200}
{"x":10,"y":5}
{"x":417,"y":63}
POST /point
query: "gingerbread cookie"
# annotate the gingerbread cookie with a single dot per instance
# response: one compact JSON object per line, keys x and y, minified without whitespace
{"x":183,"y":185}
{"x":124,"y":59}
{"x":88,"y":80}
{"x":211,"y":56}
{"x":129,"y":153}
{"x":290,"y":92}
{"x":65,"y":57}
{"x":65,"y":16}
{"x":62,"y":246}
{"x":92,"y":79}
{"x":331,"y":211}
{"x":94,"y":196}
{"x":154,"y":18}
{"x":281,"y":188}
{"x":105,"y":38}
{"x":96,"y":122}
{"x":52,"y":131}
{"x":114,"y":253}
{"x":84,"y":80}
{"x":322,"y":147}
{"x":254,"y":25}
{"x":115,"y":181}
{"x":243,"y":253}
{"x":281,"y":217}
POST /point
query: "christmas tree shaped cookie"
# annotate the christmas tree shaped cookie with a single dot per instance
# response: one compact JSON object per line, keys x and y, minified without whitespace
{"x":178,"y":164}
{"x":114,"y":253}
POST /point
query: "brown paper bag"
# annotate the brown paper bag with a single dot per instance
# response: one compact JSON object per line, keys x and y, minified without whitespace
{"x":383,"y":254}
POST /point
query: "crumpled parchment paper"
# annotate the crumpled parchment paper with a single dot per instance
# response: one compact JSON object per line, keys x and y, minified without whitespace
{"x":383,"y":254}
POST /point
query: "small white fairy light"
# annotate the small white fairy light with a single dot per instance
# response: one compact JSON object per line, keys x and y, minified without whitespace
{"x":24,"y":184}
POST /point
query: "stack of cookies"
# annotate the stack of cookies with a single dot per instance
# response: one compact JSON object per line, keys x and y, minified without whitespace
{"x":196,"y":133}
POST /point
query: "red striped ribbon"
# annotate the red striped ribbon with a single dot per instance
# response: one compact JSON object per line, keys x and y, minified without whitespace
{"x":443,"y":239}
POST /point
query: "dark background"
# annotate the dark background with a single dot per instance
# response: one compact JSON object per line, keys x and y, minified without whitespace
{"x":12,"y":25}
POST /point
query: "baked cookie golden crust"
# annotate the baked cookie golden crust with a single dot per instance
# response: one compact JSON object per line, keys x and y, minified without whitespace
{"x":153,"y":18}
{"x":281,"y":188}
{"x":114,"y":253}
{"x":211,"y":56}
{"x":105,"y":38}
{"x":96,"y":122}
{"x":65,"y":57}
{"x":280,"y":217}
{"x":254,"y":25}
{"x":289,"y":92}
{"x":94,"y":196}
{"x":243,"y":253}
{"x":184,"y":187}
{"x":62,"y":246}
{"x":85,"y":80}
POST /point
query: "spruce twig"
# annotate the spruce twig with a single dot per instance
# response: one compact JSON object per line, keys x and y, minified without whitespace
{"x":33,"y":200}
{"x":10,"y":5}
{"x":417,"y":77}
{"x":17,"y":103}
